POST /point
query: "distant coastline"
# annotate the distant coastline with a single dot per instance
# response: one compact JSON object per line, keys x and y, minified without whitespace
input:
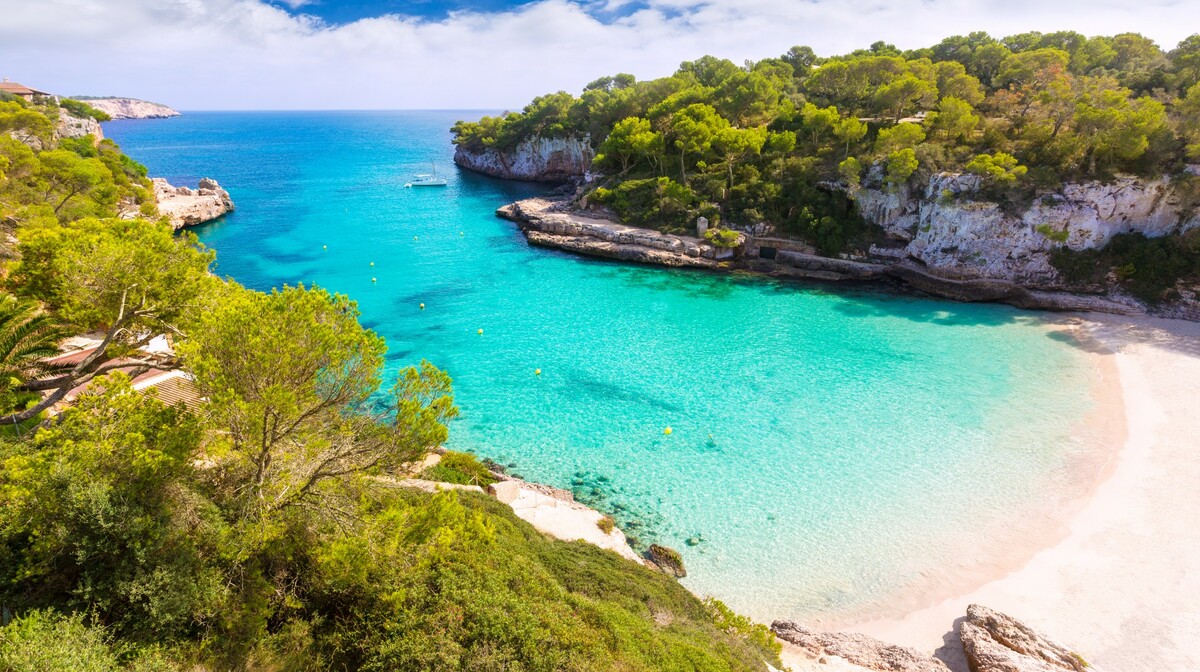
{"x":130,"y":108}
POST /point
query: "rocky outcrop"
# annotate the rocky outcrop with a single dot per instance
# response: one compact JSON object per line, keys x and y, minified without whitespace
{"x":533,"y":160}
{"x":131,"y":108}
{"x":556,"y":513}
{"x":950,"y":228}
{"x":996,"y":642}
{"x":554,"y":223}
{"x":859,"y":650}
{"x":667,"y":559}
{"x":551,"y":223}
{"x":188,"y":207}
{"x":69,"y":126}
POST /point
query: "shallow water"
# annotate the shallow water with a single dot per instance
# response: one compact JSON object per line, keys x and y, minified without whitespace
{"x":829,"y":446}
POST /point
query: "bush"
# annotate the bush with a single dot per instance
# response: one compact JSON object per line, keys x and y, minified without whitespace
{"x":606,"y":524}
{"x":460,"y":468}
{"x":726,"y":238}
{"x":43,"y":641}
{"x":80,"y":109}
{"x":1146,"y":267}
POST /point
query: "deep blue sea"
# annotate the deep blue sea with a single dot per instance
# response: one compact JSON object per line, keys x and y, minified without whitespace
{"x":830,"y":448}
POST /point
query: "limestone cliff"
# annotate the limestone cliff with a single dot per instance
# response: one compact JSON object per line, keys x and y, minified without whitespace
{"x":949,"y":228}
{"x":77,"y":127}
{"x":188,"y":207}
{"x":131,"y":108}
{"x":534,"y":160}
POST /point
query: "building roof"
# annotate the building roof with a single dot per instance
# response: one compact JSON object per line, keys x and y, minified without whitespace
{"x":20,"y":89}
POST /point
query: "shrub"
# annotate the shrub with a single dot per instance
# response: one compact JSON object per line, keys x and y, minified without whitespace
{"x":606,"y":524}
{"x":726,"y":238}
{"x":461,"y":468}
{"x":80,"y":109}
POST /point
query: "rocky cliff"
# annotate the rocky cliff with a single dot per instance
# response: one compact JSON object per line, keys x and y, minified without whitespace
{"x":533,"y":160}
{"x":77,"y":127}
{"x":555,"y":223}
{"x":947,"y":226}
{"x":131,"y":108}
{"x":188,"y":207}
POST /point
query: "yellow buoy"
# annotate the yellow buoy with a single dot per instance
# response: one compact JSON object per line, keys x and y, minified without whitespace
{"x":324,"y":247}
{"x":667,"y":430}
{"x":422,"y":306}
{"x":461,"y":233}
{"x":372,"y":263}
{"x":537,"y":372}
{"x":414,"y":237}
{"x":372,"y":279}
{"x":480,"y":332}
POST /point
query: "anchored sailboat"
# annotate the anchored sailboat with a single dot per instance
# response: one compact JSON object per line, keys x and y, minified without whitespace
{"x":427,"y":179}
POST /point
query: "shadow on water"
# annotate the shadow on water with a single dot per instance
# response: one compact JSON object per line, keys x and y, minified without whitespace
{"x":584,"y":385}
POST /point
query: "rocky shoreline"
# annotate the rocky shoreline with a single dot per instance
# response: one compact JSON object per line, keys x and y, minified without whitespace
{"x":131,"y":108}
{"x":989,"y":640}
{"x":555,"y":223}
{"x":184,"y":206}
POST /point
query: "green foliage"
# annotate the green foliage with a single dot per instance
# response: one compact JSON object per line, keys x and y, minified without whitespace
{"x":999,"y":168}
{"x":657,"y":203}
{"x":726,"y":238}
{"x":1051,"y":233}
{"x":732,"y":622}
{"x":1147,"y":267}
{"x":606,"y":524}
{"x":900,"y":166}
{"x":461,"y":468}
{"x":78,"y":108}
{"x":42,"y":641}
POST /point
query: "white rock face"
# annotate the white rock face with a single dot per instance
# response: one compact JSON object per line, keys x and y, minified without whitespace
{"x":188,"y":207}
{"x":77,"y":127}
{"x":948,"y":231}
{"x":534,"y":160}
{"x":131,"y":108}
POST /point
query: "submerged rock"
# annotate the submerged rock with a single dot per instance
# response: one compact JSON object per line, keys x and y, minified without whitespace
{"x":996,"y":642}
{"x":861,"y":650}
{"x":667,"y":559}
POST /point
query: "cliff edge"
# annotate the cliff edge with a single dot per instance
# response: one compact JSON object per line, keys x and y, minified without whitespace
{"x":535,"y":159}
{"x":131,"y":108}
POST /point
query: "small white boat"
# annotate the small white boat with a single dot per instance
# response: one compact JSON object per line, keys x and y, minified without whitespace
{"x":427,"y":180}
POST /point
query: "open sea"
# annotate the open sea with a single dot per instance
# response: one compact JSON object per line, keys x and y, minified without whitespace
{"x":831,"y":446}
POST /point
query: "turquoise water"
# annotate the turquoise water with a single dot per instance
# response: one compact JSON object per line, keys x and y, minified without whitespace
{"x":830,"y":446}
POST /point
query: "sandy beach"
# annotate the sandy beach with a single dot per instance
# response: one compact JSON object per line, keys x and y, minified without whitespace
{"x":1122,"y":585}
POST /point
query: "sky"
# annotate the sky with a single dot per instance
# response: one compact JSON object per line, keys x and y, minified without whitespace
{"x":477,"y":54}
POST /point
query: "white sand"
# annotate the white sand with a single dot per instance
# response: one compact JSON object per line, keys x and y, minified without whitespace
{"x":1123,"y":586}
{"x":561,"y":519}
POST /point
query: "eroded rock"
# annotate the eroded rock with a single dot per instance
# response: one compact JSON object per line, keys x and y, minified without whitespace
{"x":534,"y":160}
{"x":188,"y":207}
{"x":996,"y":642}
{"x":860,"y":650}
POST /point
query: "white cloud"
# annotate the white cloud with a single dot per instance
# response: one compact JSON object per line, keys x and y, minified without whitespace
{"x":247,"y":54}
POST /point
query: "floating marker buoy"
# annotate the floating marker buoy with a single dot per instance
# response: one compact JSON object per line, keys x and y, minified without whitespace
{"x":460,"y":233}
{"x":372,"y":263}
{"x":324,"y":247}
{"x":372,"y":279}
{"x":480,"y":332}
{"x":537,"y":372}
{"x":414,"y":237}
{"x":667,"y":430}
{"x":422,"y":306}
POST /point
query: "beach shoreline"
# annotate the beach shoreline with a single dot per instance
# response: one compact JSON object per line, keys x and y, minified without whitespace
{"x":1116,"y":584}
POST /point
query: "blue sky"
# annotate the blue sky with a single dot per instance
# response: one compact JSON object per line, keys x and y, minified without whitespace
{"x":477,"y":54}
